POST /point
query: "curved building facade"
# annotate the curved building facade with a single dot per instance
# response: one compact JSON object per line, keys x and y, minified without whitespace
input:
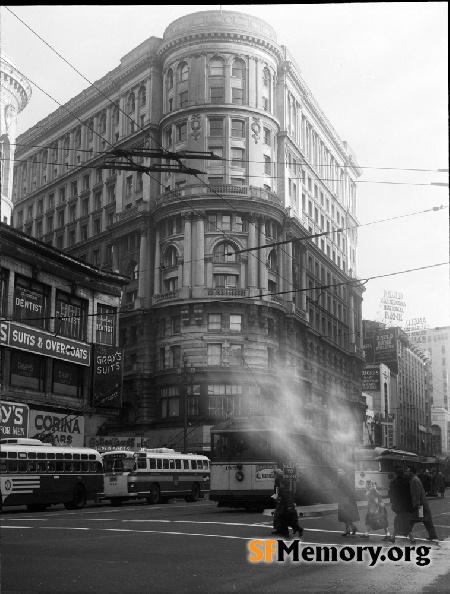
{"x":14,"y":96}
{"x":269,"y":329}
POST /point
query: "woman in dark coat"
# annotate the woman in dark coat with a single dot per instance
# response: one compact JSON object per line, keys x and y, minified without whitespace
{"x":347,"y":508}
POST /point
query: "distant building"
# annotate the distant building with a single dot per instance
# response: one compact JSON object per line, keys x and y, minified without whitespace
{"x":405,"y":398}
{"x":61,"y":369}
{"x":257,"y":326}
{"x":15,"y":93}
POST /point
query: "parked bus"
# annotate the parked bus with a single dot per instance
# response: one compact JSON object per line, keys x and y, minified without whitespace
{"x":155,"y":475}
{"x":245,"y":452}
{"x":38,"y":474}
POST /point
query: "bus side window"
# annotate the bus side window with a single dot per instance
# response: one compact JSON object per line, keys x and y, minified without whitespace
{"x":98,"y":467}
{"x":12,"y":465}
{"x":67,"y":466}
{"x":59,"y":466}
{"x":178,"y":464}
{"x":186,"y":464}
{"x":200,"y":464}
{"x":31,"y":465}
{"x":159,"y":463}
{"x":142,"y":463}
{"x":172,"y":464}
{"x":2,"y":465}
{"x":206,"y":464}
{"x":51,"y":466}
{"x":42,"y":466}
{"x":152,"y":463}
{"x":194,"y":464}
{"x":76,"y":466}
{"x":84,"y":466}
{"x":166,"y":464}
{"x":23,"y":466}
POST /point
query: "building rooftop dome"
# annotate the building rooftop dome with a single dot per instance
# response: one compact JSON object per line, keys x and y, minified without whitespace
{"x":221,"y":22}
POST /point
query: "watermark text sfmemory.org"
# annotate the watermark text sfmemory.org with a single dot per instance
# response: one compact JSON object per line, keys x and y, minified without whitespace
{"x":274,"y":551}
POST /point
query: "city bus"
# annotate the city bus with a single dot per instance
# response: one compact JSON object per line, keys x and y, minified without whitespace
{"x":156,"y":475}
{"x":245,"y":452}
{"x":38,"y":474}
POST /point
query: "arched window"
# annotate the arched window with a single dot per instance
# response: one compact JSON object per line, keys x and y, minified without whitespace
{"x":238,"y":69}
{"x":224,"y":252}
{"x":171,"y":256}
{"x":102,"y":123}
{"x":131,"y":103}
{"x":170,"y":79}
{"x":142,"y":96}
{"x":273,"y":260}
{"x":132,"y":270}
{"x":216,"y":67}
{"x":183,"y":72}
{"x":115,"y":116}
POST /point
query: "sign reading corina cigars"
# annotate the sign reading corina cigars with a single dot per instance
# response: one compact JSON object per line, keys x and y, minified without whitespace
{"x":27,"y":339}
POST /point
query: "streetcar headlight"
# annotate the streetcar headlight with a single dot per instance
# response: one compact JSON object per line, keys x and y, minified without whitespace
{"x":239,"y":476}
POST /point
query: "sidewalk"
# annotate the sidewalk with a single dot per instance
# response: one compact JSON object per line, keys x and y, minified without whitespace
{"x":320,"y":509}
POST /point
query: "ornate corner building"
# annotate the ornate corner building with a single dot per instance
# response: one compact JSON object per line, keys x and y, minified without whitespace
{"x":269,"y":329}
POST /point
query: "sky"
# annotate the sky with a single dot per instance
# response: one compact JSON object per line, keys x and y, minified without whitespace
{"x":379,"y":73}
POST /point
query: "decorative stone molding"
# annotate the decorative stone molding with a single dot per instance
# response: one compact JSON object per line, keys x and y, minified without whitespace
{"x":196,"y":125}
{"x":256,"y":128}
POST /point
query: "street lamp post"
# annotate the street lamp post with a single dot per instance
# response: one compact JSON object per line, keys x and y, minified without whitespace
{"x":185,"y":377}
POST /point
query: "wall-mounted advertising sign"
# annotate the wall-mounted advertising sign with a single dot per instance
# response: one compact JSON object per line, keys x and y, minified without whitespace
{"x":13,"y":419}
{"x":108,"y":370}
{"x":122,"y":442}
{"x":27,"y":339}
{"x":59,"y":427}
{"x":370,"y":379}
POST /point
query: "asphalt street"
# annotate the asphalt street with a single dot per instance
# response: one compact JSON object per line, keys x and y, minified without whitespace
{"x":197,"y":547}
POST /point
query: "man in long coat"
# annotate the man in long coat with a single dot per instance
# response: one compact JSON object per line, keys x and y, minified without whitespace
{"x":419,"y":500}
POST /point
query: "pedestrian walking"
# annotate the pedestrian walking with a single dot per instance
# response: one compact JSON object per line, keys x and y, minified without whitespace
{"x":401,"y":504}
{"x":347,"y":508}
{"x":288,"y":516}
{"x":376,"y":516}
{"x":440,"y":484}
{"x":278,"y":476}
{"x":421,"y":508}
{"x":426,"y":481}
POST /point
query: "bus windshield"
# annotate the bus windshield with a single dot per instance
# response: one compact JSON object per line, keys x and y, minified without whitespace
{"x":240,"y":446}
{"x":118,"y":465}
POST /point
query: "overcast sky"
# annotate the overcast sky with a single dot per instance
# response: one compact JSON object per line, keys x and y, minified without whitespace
{"x":379,"y":73}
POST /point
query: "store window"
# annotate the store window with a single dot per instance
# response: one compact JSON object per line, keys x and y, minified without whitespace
{"x":67,"y":379}
{"x":27,"y":370}
{"x":106,"y":324}
{"x":71,"y":316}
{"x":31,"y":302}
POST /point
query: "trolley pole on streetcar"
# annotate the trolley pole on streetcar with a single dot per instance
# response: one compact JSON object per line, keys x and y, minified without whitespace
{"x":185,"y":377}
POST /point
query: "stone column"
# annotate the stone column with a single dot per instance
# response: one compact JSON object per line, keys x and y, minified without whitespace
{"x":109,"y":133}
{"x":288,"y":269}
{"x":252,"y":256}
{"x":252,"y":101}
{"x":262,"y":255}
{"x":199,"y":266}
{"x":157,"y":275}
{"x":187,"y":268}
{"x":227,"y":81}
{"x":143,"y":269}
{"x":302,"y":300}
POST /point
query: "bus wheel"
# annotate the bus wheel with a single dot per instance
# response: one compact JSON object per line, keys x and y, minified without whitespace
{"x":155,"y":495}
{"x":195,"y":493}
{"x":36,"y":507}
{"x":78,"y":498}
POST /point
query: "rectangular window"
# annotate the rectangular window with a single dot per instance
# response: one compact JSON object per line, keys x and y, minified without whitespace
{"x":236,"y":355}
{"x":27,"y":370}
{"x":84,"y":232}
{"x":183,"y":98}
{"x":226,"y":223}
{"x":40,"y":206}
{"x":169,"y":137}
{"x":224,"y":399}
{"x":174,"y":356}
{"x":71,"y":316}
{"x":228,"y":281}
{"x":267,"y":165}
{"x":31,"y":302}
{"x":237,"y":157}
{"x":216,"y":127}
{"x":105,"y":324}
{"x":86,"y":182}
{"x":239,"y":223}
{"x":111,"y":193}
{"x":267,"y":136}
{"x":61,"y":219}
{"x":214,"y":354}
{"x":97,"y":226}
{"x":67,"y":379}
{"x":218,"y":152}
{"x":129,"y":185}
{"x":176,"y":324}
{"x":237,"y":95}
{"x":237,"y":129}
{"x":212,"y":222}
{"x":235,"y":323}
{"x":97,"y":200}
{"x":215,"y":181}
{"x":181,"y":132}
{"x":4,"y":275}
{"x":217,"y":95}
{"x":214,"y":322}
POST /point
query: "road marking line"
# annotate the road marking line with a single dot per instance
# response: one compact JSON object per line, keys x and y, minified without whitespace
{"x":14,"y":527}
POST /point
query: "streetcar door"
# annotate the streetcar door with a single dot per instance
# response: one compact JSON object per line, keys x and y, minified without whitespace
{"x":116,"y":478}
